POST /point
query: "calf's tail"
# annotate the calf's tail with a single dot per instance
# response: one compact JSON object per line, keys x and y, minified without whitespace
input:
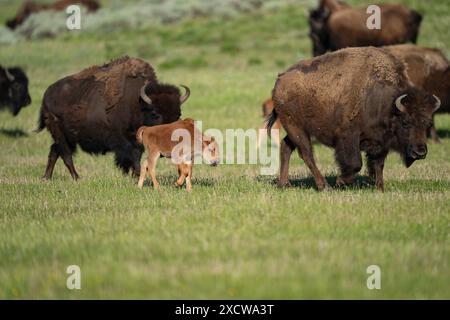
{"x":139,"y":135}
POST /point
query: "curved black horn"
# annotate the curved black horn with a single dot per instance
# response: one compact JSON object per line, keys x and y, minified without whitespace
{"x":186,"y":95}
{"x":144,"y":96}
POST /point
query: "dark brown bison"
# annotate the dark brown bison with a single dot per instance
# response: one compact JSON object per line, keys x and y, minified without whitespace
{"x":335,"y":25}
{"x":14,"y":89}
{"x":30,"y":7}
{"x":353,"y":100}
{"x":101,"y":108}
{"x":429,"y":70}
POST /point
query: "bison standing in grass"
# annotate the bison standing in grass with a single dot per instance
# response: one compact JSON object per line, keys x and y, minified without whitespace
{"x":30,"y":7}
{"x":353,"y":100}
{"x":101,"y":108}
{"x":14,"y":89}
{"x":335,"y":25}
{"x":429,"y":70}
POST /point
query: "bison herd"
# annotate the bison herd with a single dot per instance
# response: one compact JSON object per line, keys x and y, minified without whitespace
{"x":372,"y":93}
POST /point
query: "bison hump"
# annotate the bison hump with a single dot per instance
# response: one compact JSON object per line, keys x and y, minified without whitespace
{"x":114,"y":75}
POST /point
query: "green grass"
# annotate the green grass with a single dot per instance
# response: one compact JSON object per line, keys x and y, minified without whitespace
{"x":236,"y":235}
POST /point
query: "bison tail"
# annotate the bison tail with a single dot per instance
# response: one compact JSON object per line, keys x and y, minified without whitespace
{"x":139,"y":135}
{"x":41,"y":123}
{"x":271,"y":119}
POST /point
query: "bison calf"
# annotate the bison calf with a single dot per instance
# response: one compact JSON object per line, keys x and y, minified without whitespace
{"x":353,"y":100}
{"x":158,"y":142}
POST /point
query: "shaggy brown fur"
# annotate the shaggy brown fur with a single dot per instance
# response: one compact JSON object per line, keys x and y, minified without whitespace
{"x":347,"y":100}
{"x":158,"y":142}
{"x":429,"y":70}
{"x":30,"y":7}
{"x":335,"y":25}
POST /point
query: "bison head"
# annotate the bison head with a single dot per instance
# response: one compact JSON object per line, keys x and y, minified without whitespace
{"x":413,"y":113}
{"x":160,"y":103}
{"x":318,"y":32}
{"x":14,"y":89}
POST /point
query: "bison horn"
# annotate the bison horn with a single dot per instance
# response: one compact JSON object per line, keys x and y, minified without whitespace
{"x":186,"y":95}
{"x":437,"y":104}
{"x":398,"y":103}
{"x":144,"y":96}
{"x":9,"y":75}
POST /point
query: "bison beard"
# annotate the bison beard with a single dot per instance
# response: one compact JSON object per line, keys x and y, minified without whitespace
{"x":370,"y":107}
{"x":101,"y":108}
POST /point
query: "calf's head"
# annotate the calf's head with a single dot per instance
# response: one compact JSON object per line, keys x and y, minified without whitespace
{"x":413,"y":117}
{"x":210,"y":150}
{"x":14,"y":89}
{"x":160,"y":103}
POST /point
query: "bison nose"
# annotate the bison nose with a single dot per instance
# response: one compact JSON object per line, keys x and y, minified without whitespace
{"x":419,"y":152}
{"x":28,"y":100}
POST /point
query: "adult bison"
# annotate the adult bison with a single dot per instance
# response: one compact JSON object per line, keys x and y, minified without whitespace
{"x":14,"y":89}
{"x":30,"y":7}
{"x":335,"y":25}
{"x":353,"y":100}
{"x":429,"y":70}
{"x":101,"y":108}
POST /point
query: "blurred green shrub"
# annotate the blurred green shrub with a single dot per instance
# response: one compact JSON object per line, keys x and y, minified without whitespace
{"x":123,"y":15}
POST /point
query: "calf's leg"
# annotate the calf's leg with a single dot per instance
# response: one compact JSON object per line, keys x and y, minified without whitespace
{"x":143,"y":174}
{"x":189,"y":177}
{"x":152,"y":160}
{"x":182,"y":174}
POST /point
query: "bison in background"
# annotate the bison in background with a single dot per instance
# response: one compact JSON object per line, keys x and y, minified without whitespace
{"x":335,"y":25}
{"x":30,"y":7}
{"x":371,"y":107}
{"x":14,"y":89}
{"x":429,"y":70}
{"x":101,"y":108}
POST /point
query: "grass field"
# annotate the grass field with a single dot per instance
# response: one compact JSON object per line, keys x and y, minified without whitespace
{"x":236,"y":235}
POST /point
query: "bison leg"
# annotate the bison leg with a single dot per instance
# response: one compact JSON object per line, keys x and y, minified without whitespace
{"x":375,"y":168}
{"x":286,"y":149}
{"x":66,"y":155}
{"x":303,"y":142}
{"x":52,"y":158}
{"x":348,"y":156}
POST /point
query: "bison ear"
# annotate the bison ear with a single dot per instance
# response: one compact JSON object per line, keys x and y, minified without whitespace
{"x":398,"y":103}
